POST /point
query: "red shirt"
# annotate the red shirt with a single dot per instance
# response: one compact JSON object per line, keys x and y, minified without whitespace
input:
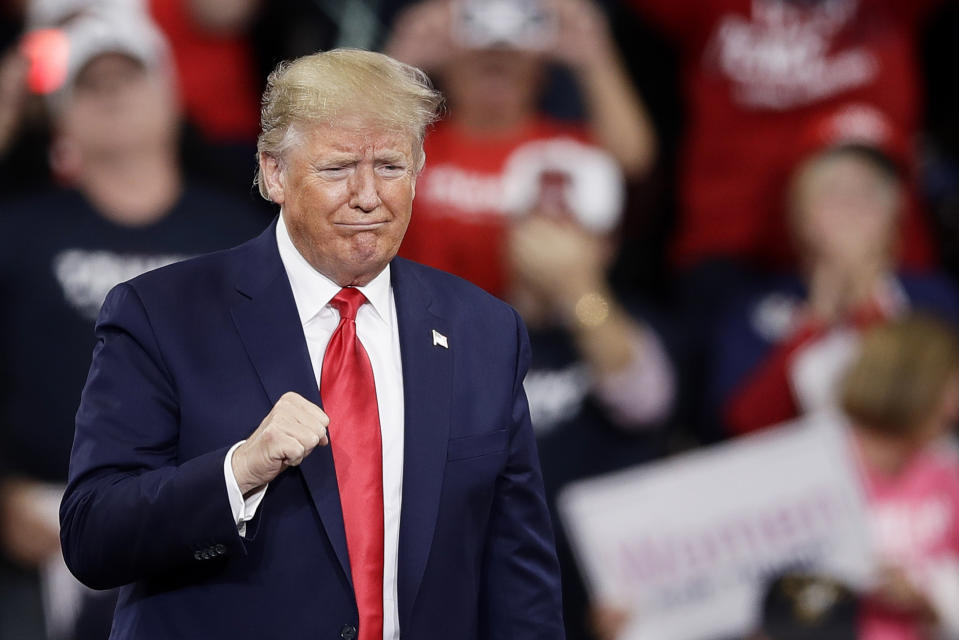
{"x":218,"y":85}
{"x":755,"y":74}
{"x":767,"y":395}
{"x":458,"y":222}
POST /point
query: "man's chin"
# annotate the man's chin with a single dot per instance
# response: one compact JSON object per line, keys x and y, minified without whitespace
{"x":363,"y":269}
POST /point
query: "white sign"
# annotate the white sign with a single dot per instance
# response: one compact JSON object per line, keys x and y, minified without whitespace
{"x":685,"y":544}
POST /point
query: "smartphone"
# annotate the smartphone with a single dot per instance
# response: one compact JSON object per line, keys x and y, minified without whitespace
{"x":520,"y":24}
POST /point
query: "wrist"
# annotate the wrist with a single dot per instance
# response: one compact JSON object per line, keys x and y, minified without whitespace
{"x":240,"y":474}
{"x":575,"y":284}
{"x":589,"y":310}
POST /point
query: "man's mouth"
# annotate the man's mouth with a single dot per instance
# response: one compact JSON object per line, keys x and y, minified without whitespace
{"x":362,"y":226}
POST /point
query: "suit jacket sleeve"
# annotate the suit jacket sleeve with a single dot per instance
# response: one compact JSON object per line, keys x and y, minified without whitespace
{"x":521,"y":587}
{"x":132,"y":508}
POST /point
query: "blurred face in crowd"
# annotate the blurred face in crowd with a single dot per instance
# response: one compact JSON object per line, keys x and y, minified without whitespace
{"x":346,"y":192}
{"x":118,"y":105}
{"x":494,"y":83}
{"x":844,"y":207}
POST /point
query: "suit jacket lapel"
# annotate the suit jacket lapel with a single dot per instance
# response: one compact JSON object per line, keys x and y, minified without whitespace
{"x":265,"y":316}
{"x":427,"y":384}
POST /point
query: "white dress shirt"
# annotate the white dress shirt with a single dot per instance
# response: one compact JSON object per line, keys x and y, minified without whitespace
{"x":377,"y":329}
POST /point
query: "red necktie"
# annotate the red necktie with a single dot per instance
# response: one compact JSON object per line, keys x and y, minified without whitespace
{"x":349,"y":399}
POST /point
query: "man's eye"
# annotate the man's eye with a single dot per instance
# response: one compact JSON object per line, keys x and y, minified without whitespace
{"x":333,"y":172}
{"x":393,"y":168}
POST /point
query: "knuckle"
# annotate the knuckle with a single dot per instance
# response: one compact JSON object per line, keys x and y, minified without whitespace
{"x":294,"y":447}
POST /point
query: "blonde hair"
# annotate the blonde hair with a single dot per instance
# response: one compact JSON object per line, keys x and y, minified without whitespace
{"x":903,"y":367}
{"x":325,"y":86}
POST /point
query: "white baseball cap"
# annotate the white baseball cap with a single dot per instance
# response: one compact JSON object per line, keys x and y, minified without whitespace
{"x":128,"y":32}
{"x":594,"y":189}
{"x":90,"y":30}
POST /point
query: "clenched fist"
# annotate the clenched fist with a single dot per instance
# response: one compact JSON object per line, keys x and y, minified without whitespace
{"x":292,"y":429}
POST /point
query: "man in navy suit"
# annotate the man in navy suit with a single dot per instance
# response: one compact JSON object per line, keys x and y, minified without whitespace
{"x":207,"y":479}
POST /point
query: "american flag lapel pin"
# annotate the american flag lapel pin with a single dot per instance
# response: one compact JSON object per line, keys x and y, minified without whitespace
{"x":440,"y":340}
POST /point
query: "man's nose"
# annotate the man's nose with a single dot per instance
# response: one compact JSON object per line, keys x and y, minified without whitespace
{"x":363,"y":191}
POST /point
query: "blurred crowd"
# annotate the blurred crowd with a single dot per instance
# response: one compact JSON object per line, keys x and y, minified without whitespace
{"x":713,"y":216}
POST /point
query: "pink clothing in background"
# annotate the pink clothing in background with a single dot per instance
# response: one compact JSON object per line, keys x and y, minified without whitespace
{"x":915,"y":519}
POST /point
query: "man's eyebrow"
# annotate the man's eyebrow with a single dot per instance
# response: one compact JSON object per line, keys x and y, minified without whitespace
{"x":390,"y":155}
{"x":336,"y":158}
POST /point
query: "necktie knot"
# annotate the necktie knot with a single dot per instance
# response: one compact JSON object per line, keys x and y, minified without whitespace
{"x":348,"y":301}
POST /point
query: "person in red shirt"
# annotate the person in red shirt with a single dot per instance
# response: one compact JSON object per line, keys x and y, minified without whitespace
{"x":493,"y":80}
{"x":755,"y":72}
{"x":214,"y":63}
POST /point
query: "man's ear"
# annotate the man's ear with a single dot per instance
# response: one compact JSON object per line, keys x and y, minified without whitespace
{"x":271,"y":173}
{"x":65,"y":158}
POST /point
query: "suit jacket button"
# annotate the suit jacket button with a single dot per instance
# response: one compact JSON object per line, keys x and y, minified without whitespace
{"x":348,"y":632}
{"x":219,"y":549}
{"x":197,"y":555}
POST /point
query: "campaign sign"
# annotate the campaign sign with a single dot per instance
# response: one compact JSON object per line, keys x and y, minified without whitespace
{"x":686,"y":544}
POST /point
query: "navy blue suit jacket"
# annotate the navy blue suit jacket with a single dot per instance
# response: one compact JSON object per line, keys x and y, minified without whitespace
{"x":190,"y":358}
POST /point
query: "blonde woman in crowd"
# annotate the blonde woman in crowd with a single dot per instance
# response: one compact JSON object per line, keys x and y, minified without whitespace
{"x":902,"y":398}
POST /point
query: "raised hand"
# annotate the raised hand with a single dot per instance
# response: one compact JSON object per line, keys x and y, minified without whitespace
{"x":293,"y":428}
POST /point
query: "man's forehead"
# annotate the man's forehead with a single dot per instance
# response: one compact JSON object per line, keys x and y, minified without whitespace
{"x":353,"y":135}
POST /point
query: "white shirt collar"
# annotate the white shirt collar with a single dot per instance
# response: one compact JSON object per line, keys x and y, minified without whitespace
{"x":312,"y":290}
